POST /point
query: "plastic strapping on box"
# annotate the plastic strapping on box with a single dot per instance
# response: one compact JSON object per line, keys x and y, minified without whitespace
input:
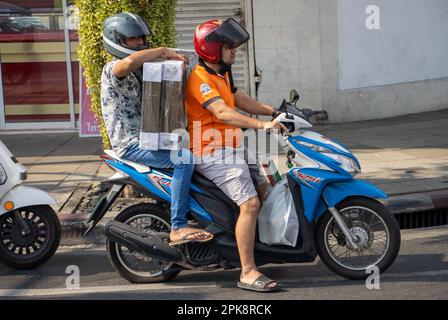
{"x":151,"y":100}
{"x":172,"y":102}
{"x":163,"y":110}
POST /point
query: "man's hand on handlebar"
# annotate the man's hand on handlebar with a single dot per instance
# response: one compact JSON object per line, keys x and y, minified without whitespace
{"x":274,"y":125}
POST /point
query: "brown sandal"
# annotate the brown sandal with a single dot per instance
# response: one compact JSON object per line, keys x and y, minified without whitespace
{"x":185,"y":239}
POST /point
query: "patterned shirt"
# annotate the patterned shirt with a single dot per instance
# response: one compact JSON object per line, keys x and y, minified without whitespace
{"x":121,"y":108}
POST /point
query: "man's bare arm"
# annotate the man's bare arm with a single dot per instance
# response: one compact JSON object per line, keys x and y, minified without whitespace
{"x":134,"y":61}
{"x":236,"y":119}
{"x":250,"y":105}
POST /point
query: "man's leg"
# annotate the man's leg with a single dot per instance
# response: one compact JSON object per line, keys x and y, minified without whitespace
{"x":180,"y":189}
{"x":235,"y":181}
{"x":256,"y":173}
{"x":183,"y":170}
{"x":245,"y":238}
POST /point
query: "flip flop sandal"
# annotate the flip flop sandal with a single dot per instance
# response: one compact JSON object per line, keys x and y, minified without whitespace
{"x":185,"y":239}
{"x":259,"y":285}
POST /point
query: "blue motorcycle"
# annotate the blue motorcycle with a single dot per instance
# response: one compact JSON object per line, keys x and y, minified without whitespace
{"x":339,"y":217}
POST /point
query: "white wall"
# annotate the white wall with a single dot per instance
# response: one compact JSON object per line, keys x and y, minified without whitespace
{"x":296,"y":46}
{"x":372,"y":102}
{"x":405,"y":46}
{"x":287,"y":50}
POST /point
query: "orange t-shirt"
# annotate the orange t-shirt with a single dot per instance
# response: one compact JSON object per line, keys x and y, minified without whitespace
{"x":206,"y":131}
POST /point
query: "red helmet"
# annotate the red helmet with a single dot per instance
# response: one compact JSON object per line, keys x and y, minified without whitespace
{"x":211,"y":35}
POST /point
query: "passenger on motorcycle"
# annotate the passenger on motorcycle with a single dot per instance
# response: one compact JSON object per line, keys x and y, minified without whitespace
{"x":124,"y":37}
{"x":211,"y":100}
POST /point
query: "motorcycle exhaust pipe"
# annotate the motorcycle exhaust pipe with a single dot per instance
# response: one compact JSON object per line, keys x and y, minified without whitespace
{"x":141,"y":242}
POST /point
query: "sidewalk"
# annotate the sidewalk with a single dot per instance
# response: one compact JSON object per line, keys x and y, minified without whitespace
{"x":406,"y":156}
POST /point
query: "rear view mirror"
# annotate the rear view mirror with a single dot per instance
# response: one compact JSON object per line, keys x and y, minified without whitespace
{"x":293,"y":96}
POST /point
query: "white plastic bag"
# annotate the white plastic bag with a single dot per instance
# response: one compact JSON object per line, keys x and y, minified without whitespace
{"x":277,"y":221}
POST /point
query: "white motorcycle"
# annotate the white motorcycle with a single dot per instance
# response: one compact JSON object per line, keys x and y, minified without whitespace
{"x":29,"y":228}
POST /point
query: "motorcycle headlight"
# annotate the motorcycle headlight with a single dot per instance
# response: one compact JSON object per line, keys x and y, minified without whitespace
{"x":346,"y":163}
{"x":3,"y":176}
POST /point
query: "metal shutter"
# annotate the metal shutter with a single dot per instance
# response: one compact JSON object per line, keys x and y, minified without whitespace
{"x":191,"y":13}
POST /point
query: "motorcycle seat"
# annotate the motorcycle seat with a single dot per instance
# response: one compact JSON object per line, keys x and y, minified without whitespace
{"x":197,"y":178}
{"x":137,"y":166}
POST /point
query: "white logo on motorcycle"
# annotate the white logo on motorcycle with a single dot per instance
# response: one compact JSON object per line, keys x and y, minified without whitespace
{"x":205,"y":89}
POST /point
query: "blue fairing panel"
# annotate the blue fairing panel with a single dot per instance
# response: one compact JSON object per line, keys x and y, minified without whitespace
{"x":312,"y":183}
{"x":159,"y":185}
{"x":336,"y":192}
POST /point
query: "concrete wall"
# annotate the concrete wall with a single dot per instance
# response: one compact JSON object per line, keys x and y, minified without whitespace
{"x":403,"y":46}
{"x":287,"y":50}
{"x":297,"y":45}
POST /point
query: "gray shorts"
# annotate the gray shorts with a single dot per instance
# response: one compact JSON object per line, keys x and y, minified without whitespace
{"x":235,"y":172}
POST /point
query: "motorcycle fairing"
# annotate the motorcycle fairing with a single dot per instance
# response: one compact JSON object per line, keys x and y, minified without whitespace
{"x":334,"y":187}
{"x":312,"y":183}
{"x":304,"y":251}
{"x":159,"y":184}
{"x":332,"y":145}
{"x":223,"y":211}
{"x":336,"y":192}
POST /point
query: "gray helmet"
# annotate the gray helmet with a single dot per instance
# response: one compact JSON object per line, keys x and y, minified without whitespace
{"x":120,"y":26}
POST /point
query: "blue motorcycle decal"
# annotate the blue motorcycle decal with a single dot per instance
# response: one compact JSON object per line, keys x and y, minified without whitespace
{"x":159,"y":184}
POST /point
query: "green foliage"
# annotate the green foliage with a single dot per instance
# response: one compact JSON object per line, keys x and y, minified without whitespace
{"x":158,"y":13}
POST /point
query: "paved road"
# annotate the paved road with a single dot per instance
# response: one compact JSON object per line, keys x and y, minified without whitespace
{"x":420,"y":272}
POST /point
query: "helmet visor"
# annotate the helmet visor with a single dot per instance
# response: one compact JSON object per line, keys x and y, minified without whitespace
{"x":230,"y":32}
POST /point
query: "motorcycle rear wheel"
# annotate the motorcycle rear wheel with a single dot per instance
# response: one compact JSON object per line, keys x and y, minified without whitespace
{"x":148,"y":217}
{"x":373,"y":224}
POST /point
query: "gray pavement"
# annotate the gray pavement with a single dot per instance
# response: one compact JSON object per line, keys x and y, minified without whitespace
{"x":420,"y":272}
{"x":403,"y":156}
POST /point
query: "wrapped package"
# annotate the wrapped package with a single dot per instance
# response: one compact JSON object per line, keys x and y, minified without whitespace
{"x":163,"y":112}
{"x":151,"y":102}
{"x":172,"y":96}
{"x":172,"y":108}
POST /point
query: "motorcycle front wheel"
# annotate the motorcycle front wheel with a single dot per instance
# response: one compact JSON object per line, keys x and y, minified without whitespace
{"x":373,"y":225}
{"x":29,"y":251}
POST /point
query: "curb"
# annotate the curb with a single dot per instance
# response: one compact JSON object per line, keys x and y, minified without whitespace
{"x":73,"y":228}
{"x":417,"y":202}
{"x":72,"y":225}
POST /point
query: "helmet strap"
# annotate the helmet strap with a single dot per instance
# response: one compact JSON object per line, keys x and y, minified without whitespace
{"x":228,"y":68}
{"x":232,"y":84}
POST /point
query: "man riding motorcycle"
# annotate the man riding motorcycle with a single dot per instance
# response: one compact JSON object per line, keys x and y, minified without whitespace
{"x":210,"y":100}
{"x":124,"y":36}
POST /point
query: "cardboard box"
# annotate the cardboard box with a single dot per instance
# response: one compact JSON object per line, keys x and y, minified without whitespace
{"x":163,"y":108}
{"x":151,"y":100}
{"x":164,"y":117}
